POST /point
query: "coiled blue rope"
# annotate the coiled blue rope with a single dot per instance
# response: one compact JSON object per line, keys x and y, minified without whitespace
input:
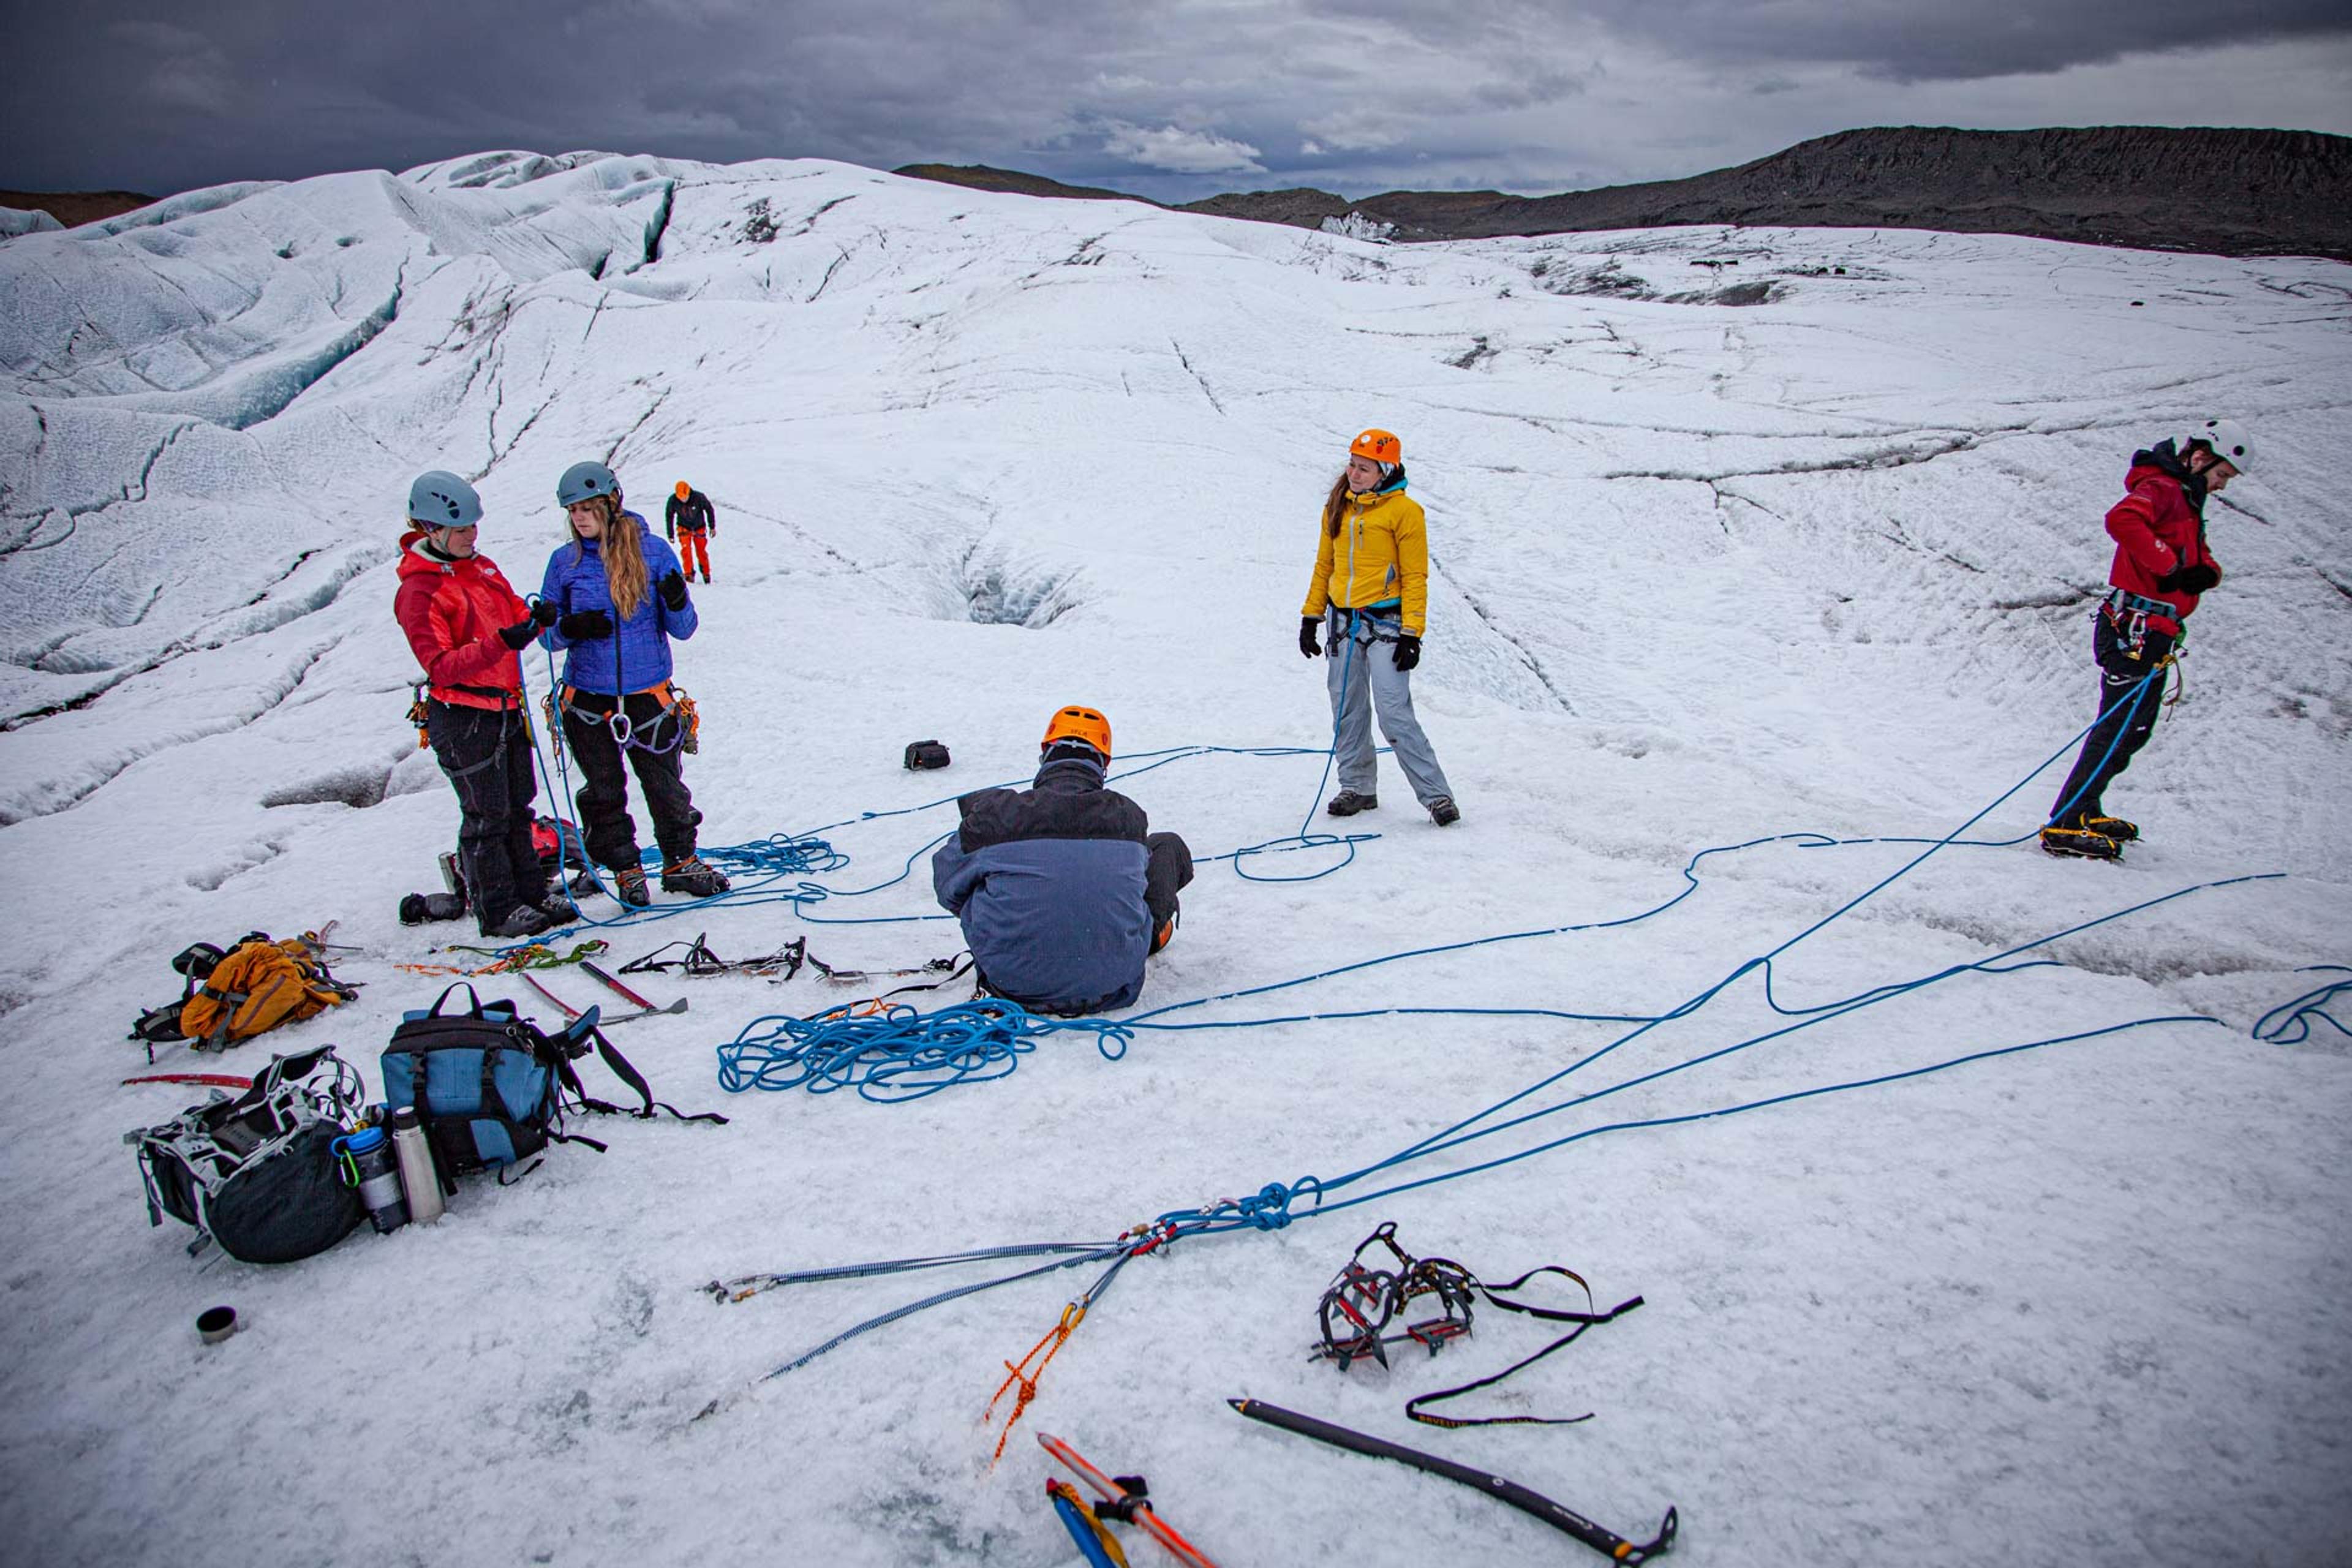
{"x":897,"y":1053}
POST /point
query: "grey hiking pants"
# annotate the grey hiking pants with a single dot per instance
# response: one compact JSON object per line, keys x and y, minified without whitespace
{"x":1359,"y":668}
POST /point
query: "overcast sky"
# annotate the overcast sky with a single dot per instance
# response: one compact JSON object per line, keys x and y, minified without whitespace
{"x":1172,"y":98}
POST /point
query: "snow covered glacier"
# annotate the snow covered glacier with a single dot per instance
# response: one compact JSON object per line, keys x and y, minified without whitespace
{"x":1782,"y":539}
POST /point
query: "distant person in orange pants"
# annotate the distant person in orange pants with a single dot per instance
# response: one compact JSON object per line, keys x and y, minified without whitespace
{"x":690,"y":522}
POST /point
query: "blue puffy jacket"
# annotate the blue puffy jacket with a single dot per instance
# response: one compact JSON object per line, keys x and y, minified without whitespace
{"x":637,"y":656}
{"x":1048,"y":882}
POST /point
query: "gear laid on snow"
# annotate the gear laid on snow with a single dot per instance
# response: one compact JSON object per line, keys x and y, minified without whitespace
{"x":1362,"y":1301}
{"x":1606,"y":1541}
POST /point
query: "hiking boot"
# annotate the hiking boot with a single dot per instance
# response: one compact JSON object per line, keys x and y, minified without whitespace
{"x":520,"y":921}
{"x":556,"y":903}
{"x":2081,"y":842}
{"x":2114,"y":827}
{"x":693,"y":878}
{"x":1444,"y":812}
{"x":629,"y":887}
{"x":1347,"y":802}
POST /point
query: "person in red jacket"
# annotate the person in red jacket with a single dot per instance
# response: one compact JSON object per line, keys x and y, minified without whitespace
{"x":2161,"y":566}
{"x":466,"y":627}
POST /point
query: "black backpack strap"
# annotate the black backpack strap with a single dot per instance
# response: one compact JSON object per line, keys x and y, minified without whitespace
{"x":621,"y":1068}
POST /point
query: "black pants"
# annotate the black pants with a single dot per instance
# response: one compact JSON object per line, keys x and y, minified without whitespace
{"x":654,"y":753}
{"x":1170,"y":869}
{"x":488,"y":758}
{"x":2127,"y":710}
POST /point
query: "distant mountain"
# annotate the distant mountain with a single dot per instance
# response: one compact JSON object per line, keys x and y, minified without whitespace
{"x":2235,"y":193}
{"x":980,"y":178}
{"x":71,"y":207}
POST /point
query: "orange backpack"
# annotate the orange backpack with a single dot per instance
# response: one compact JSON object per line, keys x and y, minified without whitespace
{"x":256,"y":985}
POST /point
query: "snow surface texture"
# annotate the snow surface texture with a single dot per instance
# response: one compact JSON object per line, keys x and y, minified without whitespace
{"x":1703,"y":574}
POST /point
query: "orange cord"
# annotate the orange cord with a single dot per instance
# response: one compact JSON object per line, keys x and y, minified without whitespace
{"x":1057,"y":1337}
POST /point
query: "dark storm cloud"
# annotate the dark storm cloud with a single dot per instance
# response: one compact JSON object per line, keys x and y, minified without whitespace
{"x":1174,"y":98}
{"x":1946,"y":40}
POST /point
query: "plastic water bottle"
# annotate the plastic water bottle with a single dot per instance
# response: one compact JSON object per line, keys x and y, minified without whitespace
{"x":418,"y":1179}
{"x":370,"y":1166}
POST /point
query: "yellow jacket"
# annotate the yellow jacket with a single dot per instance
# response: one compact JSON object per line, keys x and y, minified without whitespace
{"x":1380,"y":558}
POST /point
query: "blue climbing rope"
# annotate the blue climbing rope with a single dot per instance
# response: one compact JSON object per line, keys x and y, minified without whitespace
{"x":2298,"y":1014}
{"x":1274,"y":1204}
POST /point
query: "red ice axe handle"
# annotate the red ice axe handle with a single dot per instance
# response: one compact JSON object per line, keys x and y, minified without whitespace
{"x":626,"y":994}
{"x":1606,"y":1542}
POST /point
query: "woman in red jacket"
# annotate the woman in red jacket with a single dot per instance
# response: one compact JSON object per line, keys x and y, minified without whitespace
{"x":466,"y":626}
{"x":2161,"y":566}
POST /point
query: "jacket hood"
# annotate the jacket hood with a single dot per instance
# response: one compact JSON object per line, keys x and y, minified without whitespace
{"x":1070,"y":767}
{"x":2162,"y":459}
{"x":417,"y":558}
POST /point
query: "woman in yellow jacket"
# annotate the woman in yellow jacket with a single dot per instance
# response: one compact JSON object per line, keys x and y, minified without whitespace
{"x":1371,"y":582}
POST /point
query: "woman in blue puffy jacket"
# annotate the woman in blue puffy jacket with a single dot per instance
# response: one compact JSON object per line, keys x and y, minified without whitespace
{"x":619,"y":597}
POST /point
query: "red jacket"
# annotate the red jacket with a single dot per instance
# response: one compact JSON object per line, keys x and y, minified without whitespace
{"x":453,"y":612}
{"x":2155,"y":530}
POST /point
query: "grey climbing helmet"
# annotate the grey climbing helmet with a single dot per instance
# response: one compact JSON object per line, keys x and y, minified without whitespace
{"x":442,"y":500}
{"x":581,"y":481}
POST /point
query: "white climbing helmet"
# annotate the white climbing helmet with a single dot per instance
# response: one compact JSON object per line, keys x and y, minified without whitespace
{"x":2228,"y":440}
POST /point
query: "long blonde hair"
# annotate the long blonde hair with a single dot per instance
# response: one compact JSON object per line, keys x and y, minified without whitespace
{"x":624,"y":557}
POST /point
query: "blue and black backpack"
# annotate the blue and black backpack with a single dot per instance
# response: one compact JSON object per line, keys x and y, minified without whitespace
{"x":493,"y":1089}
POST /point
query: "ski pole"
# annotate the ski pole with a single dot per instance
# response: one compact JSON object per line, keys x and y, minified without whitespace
{"x":1525,"y":1500}
{"x":627,"y":995}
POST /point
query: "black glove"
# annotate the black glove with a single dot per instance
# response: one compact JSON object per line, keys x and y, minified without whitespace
{"x":1408,"y":652}
{"x":545,"y":612}
{"x":584,"y":625}
{"x":517,"y":635}
{"x":1307,"y":643}
{"x":672,"y":588}
{"x":2191,"y":579}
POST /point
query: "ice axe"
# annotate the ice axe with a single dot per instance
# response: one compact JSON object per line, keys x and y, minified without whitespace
{"x":615,"y":986}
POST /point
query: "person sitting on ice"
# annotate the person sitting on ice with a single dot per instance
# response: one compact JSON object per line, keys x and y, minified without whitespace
{"x":1063,"y":889}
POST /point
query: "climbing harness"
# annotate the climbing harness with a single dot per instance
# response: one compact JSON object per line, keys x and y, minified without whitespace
{"x":677,"y":710}
{"x":1362,"y":1301}
{"x":417,"y":715}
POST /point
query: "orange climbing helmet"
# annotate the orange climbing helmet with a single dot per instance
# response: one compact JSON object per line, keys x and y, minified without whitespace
{"x":1379,"y":445}
{"x":1079,"y":724}
{"x":684,"y":490}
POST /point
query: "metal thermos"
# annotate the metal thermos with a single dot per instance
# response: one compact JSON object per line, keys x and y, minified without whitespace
{"x":370,"y":1166}
{"x":418,"y":1179}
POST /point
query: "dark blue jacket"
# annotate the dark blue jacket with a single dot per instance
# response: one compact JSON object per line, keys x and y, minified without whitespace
{"x":637,"y":655}
{"x":1048,"y":882}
